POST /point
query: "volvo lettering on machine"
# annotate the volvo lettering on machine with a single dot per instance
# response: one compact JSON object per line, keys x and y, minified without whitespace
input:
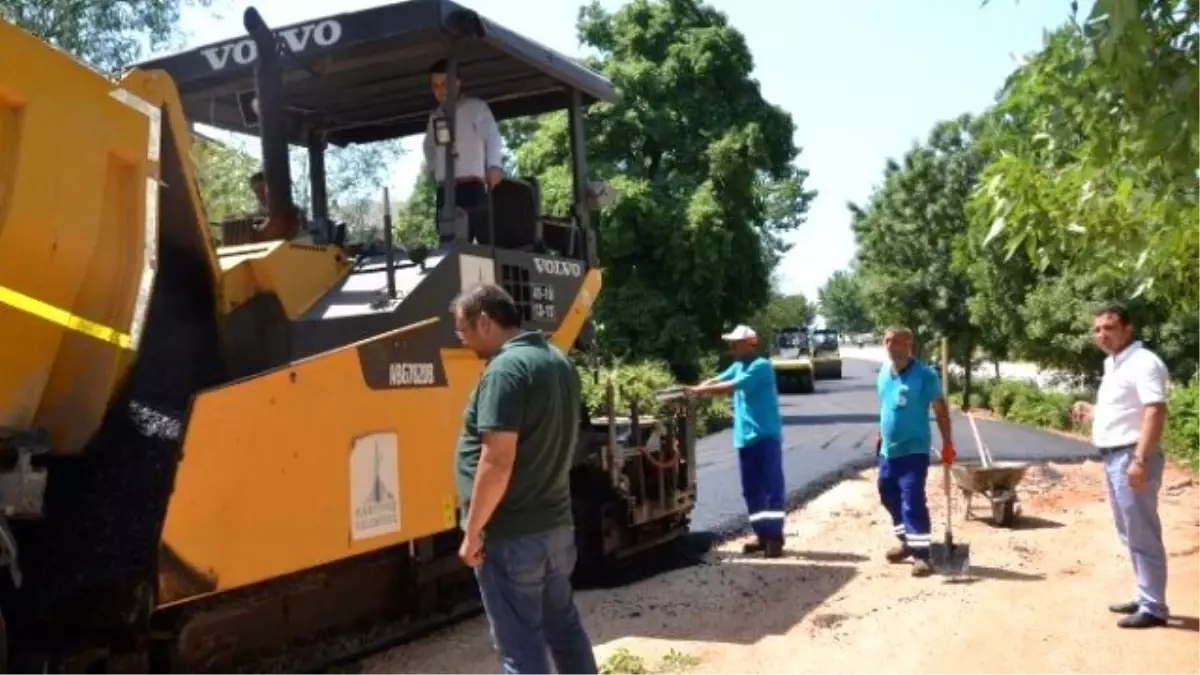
{"x":296,"y":40}
{"x":558,"y":268}
{"x":410,"y":374}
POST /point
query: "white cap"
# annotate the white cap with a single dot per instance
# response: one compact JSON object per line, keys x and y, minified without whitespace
{"x":742,"y":332}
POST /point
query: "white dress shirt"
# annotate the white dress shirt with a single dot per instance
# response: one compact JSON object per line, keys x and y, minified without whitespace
{"x":1133,"y":379}
{"x":477,"y":142}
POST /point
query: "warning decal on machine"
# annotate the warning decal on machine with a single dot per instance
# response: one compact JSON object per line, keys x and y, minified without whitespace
{"x":374,"y":486}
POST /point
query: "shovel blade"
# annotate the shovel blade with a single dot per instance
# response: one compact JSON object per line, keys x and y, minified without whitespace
{"x":950,"y":559}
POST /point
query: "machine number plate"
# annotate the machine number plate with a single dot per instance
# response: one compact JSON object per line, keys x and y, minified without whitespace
{"x":543,"y":302}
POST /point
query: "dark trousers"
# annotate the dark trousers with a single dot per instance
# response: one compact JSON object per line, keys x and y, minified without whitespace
{"x":525,"y":583}
{"x":761,"y":465}
{"x":467,"y":195}
{"x":902,"y":491}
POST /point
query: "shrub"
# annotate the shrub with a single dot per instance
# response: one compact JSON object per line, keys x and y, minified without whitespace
{"x":1024,"y":403}
{"x":638,"y":381}
{"x":1003,"y":393}
{"x":1048,"y":409}
{"x":1181,"y":438}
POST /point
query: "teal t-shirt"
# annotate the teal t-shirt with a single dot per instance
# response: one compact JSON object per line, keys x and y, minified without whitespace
{"x":755,"y":401}
{"x":905,"y":399}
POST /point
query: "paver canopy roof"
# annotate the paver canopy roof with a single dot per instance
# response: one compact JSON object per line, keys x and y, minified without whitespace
{"x":364,"y":76}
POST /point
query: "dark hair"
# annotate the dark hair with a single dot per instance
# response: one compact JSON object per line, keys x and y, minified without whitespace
{"x":488,"y":299}
{"x":1117,"y":309}
{"x":438,"y":66}
{"x":257,"y":177}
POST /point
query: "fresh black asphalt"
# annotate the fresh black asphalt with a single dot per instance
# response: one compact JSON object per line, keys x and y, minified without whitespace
{"x":831,"y":432}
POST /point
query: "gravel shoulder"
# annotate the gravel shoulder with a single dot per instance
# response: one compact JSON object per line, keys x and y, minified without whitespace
{"x":833,"y":604}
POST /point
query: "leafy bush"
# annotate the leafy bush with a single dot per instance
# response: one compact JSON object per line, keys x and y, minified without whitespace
{"x":1004,"y":393}
{"x":1024,"y":403}
{"x":1048,"y":409}
{"x":637,"y":382}
{"x":1181,"y":438}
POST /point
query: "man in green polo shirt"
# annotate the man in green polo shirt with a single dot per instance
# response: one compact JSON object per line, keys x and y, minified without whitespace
{"x":512,"y":470}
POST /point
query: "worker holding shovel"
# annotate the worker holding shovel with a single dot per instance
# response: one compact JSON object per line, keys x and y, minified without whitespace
{"x":907,"y":390}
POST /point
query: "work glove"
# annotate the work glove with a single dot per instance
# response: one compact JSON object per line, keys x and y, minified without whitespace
{"x":948,"y":453}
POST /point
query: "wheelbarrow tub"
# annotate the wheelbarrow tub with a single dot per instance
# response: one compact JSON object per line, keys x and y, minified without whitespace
{"x":998,"y":476}
{"x":998,"y":483}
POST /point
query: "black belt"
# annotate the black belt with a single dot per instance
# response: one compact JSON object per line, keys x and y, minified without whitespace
{"x":1105,"y":452}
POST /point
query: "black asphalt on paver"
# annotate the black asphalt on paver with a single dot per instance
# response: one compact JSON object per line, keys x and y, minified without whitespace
{"x":832,"y":431}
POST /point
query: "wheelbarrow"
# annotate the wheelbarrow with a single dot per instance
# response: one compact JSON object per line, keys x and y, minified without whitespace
{"x":996,"y":482}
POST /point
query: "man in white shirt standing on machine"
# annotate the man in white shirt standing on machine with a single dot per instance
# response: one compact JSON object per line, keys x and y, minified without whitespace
{"x":479,"y":155}
{"x":1127,"y":423}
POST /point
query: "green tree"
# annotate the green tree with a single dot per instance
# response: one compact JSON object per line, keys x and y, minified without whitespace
{"x":355,"y":176}
{"x":107,"y":34}
{"x":841,"y":303}
{"x":782,"y":310}
{"x":1095,"y":144}
{"x":223,"y":175}
{"x":416,"y":220}
{"x":913,"y":239}
{"x":704,"y":167}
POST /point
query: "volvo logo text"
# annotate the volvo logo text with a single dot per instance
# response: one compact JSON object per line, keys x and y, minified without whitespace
{"x":243,"y":52}
{"x":558,"y":268}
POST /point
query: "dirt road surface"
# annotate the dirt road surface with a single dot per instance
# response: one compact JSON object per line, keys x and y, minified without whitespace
{"x":833,"y":604}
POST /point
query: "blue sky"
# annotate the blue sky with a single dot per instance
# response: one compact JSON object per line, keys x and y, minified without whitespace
{"x":863,"y":81}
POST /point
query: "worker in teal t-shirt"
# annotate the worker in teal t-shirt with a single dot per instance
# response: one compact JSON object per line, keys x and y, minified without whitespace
{"x":907,"y":389}
{"x":757,"y":435}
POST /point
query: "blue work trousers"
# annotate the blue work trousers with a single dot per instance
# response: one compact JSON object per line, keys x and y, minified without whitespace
{"x":761,"y":465}
{"x":902,"y":491}
{"x":1138,"y":526}
{"x":525,"y":583}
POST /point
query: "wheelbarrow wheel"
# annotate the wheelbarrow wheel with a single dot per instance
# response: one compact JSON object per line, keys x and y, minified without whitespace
{"x":1003,"y":512}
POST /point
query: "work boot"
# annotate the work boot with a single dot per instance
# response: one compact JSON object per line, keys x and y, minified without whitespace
{"x":773,"y":548}
{"x":755,"y":546}
{"x":898,"y":554}
{"x":921,"y":568}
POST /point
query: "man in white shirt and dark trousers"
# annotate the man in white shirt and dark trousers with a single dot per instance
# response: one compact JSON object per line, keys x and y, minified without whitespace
{"x":1127,"y":423}
{"x":478,"y":159}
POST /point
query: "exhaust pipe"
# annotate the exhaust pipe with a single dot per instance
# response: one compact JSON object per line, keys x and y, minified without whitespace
{"x":268,"y":84}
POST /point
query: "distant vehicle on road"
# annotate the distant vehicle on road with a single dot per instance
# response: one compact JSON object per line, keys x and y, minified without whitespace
{"x":826,"y":354}
{"x":791,"y":357}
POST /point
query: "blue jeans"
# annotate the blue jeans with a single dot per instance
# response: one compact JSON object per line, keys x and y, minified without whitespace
{"x":1138,"y":526}
{"x":525,"y":583}
{"x":761,"y":466}
{"x":902,"y":491}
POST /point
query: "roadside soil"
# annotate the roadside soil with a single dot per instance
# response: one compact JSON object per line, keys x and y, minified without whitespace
{"x":1036,"y":602}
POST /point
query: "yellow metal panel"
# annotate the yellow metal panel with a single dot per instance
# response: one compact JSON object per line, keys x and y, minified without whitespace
{"x":299,"y":274}
{"x":581,"y":309}
{"x":74,"y":207}
{"x":263,"y":489}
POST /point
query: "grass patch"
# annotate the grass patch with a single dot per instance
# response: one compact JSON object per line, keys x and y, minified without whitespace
{"x":624,"y":662}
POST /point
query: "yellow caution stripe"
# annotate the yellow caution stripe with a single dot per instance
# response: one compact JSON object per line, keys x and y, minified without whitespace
{"x":62,"y":317}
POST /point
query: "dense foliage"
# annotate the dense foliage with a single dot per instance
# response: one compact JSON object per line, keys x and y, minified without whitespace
{"x":1004,"y":232}
{"x":841,"y":303}
{"x":107,"y":34}
{"x":704,"y":168}
{"x":1025,"y":403}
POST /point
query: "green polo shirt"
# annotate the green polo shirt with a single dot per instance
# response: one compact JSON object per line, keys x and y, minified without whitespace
{"x":529,"y":387}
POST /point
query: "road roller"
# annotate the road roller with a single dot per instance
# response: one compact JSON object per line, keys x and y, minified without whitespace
{"x":217,"y":451}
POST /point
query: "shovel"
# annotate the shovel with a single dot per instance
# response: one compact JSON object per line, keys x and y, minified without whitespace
{"x":948,"y":558}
